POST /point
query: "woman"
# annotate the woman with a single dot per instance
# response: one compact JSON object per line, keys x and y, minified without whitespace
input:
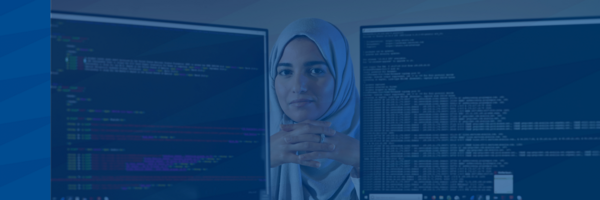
{"x":315,"y":152}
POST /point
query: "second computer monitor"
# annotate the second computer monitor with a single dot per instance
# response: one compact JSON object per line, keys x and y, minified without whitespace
{"x":481,"y":110}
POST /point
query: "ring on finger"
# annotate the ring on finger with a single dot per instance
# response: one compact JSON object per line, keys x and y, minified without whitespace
{"x":322,"y":138}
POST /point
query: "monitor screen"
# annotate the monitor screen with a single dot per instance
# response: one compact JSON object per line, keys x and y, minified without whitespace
{"x":146,"y":109}
{"x":496,"y":110}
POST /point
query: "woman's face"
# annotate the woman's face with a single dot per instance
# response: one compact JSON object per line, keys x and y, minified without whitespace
{"x":304,"y":85}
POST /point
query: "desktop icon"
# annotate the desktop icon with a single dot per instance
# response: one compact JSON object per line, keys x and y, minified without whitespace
{"x":519,"y":197}
{"x":456,"y":197}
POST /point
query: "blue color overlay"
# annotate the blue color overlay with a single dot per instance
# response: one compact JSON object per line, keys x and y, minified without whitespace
{"x":25,"y":99}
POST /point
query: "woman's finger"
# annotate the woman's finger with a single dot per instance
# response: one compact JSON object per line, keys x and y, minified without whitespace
{"x":293,"y":158}
{"x":293,"y":139}
{"x":317,"y":123}
{"x":286,"y":127}
{"x":297,"y":129}
{"x":313,"y":155}
{"x":310,"y":163}
{"x":289,"y":127}
{"x":312,"y":129}
{"x":311,"y":146}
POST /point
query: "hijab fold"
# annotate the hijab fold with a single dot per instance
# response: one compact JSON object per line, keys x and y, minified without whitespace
{"x":330,"y":181}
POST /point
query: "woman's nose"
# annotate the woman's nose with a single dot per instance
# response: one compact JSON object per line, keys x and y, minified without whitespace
{"x":299,"y":84}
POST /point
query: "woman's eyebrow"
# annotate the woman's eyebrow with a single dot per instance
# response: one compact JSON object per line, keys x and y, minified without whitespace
{"x":311,"y":63}
{"x":284,"y":65}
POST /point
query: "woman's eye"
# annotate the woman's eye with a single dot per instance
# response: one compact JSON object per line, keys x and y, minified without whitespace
{"x":285,"y":72}
{"x":317,"y":71}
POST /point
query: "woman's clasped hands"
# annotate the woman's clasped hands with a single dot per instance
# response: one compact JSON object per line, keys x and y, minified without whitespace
{"x":306,"y":136}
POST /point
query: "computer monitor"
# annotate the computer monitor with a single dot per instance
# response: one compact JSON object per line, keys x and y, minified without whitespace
{"x":495,"y":110}
{"x":150,"y":109}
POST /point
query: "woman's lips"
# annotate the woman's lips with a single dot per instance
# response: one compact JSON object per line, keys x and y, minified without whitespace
{"x":301,"y":102}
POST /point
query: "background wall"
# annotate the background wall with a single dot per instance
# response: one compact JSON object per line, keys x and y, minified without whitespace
{"x":346,"y":15}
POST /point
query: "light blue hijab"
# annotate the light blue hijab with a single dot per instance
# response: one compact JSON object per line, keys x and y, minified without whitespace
{"x":331,"y":180}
